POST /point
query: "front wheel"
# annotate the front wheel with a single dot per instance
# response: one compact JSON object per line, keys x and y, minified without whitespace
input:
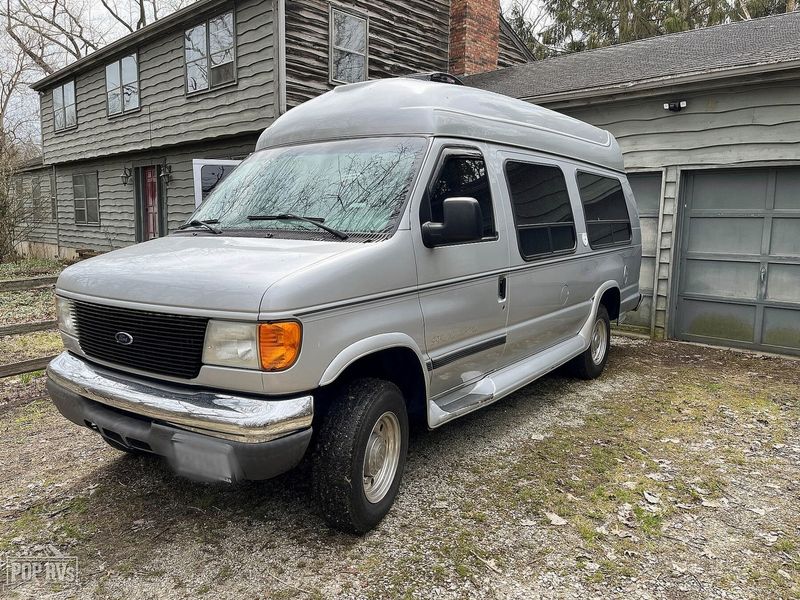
{"x":591,"y":363}
{"x":360,"y":455}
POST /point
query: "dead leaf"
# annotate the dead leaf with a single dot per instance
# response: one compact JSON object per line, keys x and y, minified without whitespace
{"x":759,"y":511}
{"x":652,"y":498}
{"x":555,"y":519}
{"x":721,"y":503}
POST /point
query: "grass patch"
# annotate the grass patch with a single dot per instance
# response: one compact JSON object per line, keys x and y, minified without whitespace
{"x":30,"y":267}
{"x":15,"y":348}
{"x":23,"y":306}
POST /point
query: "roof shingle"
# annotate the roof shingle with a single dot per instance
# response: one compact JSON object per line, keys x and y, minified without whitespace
{"x":764,"y":41}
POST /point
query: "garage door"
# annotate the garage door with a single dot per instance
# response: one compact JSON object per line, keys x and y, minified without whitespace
{"x":739,"y":278}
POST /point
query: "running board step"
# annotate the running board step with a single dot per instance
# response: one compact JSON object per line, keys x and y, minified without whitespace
{"x":503,"y":382}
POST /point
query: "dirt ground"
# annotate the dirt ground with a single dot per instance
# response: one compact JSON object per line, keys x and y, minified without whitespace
{"x":674,"y":475}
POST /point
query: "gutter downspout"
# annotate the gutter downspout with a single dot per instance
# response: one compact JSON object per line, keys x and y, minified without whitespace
{"x":280,"y":56}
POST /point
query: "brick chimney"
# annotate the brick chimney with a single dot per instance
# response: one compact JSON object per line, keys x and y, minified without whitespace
{"x":474,"y":36}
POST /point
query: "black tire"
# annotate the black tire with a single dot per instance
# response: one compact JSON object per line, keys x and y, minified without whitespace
{"x":121,"y":448}
{"x":587,"y":366}
{"x":338,"y":461}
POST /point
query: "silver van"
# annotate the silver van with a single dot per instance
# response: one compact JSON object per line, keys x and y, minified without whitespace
{"x":393,"y":250}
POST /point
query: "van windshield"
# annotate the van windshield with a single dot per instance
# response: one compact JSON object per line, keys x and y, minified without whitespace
{"x":353,"y":186}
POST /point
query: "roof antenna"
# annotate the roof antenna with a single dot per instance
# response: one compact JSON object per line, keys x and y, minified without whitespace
{"x":436,"y":77}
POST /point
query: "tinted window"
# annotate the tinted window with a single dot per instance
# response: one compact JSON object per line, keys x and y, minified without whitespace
{"x":462,"y":177}
{"x":542,"y":211}
{"x":607,"y":219}
{"x":212,"y":175}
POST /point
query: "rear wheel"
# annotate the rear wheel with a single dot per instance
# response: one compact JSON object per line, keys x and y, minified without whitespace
{"x":360,"y":455}
{"x":591,"y":363}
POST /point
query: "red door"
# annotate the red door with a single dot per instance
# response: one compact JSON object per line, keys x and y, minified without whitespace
{"x":151,"y":220}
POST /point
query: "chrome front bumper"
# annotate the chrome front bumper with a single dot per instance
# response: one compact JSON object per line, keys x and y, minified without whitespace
{"x":240,"y":418}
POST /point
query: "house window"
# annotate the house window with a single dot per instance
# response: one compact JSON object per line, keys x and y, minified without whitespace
{"x":87,"y":202}
{"x":36,"y":199}
{"x":122,"y":86}
{"x":210,"y":54}
{"x":64,"y":112}
{"x":348,"y":47}
{"x":542,"y":210}
{"x":607,"y":219}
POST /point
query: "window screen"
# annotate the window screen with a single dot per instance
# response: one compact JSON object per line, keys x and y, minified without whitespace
{"x":348,"y":51}
{"x":607,"y":219}
{"x":86,"y":197}
{"x":209,"y":51}
{"x":459,"y":177}
{"x":542,"y":211}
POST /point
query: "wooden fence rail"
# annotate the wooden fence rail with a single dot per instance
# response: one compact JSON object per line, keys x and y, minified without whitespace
{"x":19,"y":328}
{"x":26,"y":366}
{"x":13,"y":285}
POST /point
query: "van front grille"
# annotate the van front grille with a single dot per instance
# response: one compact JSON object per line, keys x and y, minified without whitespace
{"x":156,"y":342}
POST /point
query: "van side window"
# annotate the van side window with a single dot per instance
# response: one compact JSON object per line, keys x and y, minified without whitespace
{"x":607,"y":219}
{"x":461,"y":176}
{"x":542,"y":211}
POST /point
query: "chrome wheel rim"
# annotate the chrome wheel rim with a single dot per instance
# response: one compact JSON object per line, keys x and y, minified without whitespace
{"x":381,"y":457}
{"x":599,"y":341}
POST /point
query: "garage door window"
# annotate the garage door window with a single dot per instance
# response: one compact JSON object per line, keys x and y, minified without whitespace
{"x":542,"y":210}
{"x":607,"y":219}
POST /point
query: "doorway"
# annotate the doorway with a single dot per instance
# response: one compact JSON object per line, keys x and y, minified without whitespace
{"x":150,"y":203}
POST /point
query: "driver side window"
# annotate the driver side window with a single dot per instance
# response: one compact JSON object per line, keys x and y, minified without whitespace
{"x":461,"y":175}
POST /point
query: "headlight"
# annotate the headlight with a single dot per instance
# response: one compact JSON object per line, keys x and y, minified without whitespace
{"x":65,"y":313}
{"x":268,"y":346}
{"x":231,"y":344}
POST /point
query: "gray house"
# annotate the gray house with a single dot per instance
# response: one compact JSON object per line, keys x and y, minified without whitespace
{"x":709,"y":124}
{"x":135,"y":134}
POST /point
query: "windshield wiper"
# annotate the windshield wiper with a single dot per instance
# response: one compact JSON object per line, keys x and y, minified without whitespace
{"x":207,"y":224}
{"x":316,"y":221}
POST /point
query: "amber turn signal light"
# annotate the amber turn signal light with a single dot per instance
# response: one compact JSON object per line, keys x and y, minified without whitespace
{"x":279,"y":344}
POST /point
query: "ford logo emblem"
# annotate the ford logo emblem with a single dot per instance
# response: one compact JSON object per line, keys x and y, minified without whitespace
{"x":126,"y":339}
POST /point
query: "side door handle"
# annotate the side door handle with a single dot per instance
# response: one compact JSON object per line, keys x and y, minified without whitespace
{"x":502,"y":288}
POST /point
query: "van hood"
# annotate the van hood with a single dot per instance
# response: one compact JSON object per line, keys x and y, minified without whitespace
{"x":209,"y":273}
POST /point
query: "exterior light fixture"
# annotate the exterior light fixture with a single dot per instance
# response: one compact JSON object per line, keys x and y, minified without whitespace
{"x":125,"y":176}
{"x":166,"y":174}
{"x":675,"y":106}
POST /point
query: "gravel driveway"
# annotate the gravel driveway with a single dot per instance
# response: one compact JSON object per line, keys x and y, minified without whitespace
{"x":675,"y":475}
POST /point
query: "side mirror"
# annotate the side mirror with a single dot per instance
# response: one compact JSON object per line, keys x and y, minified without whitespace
{"x":462,"y":221}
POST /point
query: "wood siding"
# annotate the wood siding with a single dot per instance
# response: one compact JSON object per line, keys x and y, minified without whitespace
{"x":117,"y":226}
{"x":167,"y":116}
{"x":405,"y":36}
{"x":510,"y":52}
{"x":737,"y":126}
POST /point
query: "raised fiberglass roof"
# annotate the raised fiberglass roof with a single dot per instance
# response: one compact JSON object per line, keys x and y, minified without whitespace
{"x":405,"y":106}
